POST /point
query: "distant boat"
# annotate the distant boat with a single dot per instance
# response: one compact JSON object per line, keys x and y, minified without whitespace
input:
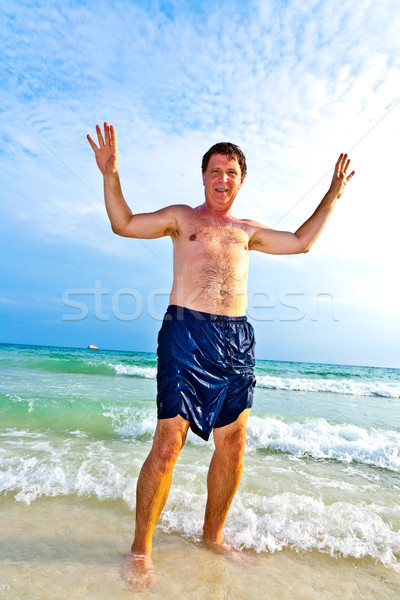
{"x":92,"y":347}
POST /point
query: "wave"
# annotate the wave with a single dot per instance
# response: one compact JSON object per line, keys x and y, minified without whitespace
{"x":92,"y":367}
{"x":314,"y":438}
{"x":97,"y":418}
{"x":80,"y":366}
{"x":346,"y":386}
{"x":38,"y":467}
{"x":88,"y":367}
{"x":319,"y":439}
{"x":295,"y":521}
{"x":90,"y":364}
{"x":299,"y":378}
{"x":297,"y":384}
{"x":135,"y":371}
{"x":306,"y":384}
{"x":305,"y":523}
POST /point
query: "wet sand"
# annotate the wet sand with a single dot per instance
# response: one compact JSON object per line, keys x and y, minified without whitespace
{"x":72,"y":548}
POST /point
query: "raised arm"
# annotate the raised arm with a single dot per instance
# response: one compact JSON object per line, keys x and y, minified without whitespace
{"x":123,"y":221}
{"x":272,"y":241}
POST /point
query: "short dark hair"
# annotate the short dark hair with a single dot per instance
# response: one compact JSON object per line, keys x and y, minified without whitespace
{"x":226,"y":149}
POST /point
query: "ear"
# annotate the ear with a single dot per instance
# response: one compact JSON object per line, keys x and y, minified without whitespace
{"x":204,"y":178}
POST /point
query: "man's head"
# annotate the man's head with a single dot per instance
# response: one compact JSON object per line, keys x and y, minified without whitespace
{"x":226,"y":149}
{"x":224,"y":170}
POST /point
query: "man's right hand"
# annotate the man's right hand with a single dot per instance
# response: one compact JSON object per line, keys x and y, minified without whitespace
{"x":107,"y":153}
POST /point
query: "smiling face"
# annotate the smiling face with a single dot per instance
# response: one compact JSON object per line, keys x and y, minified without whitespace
{"x":222,"y":180}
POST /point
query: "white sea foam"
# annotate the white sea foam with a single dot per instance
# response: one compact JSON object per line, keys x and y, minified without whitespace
{"x":76,"y":466}
{"x":134,"y":371}
{"x":296,"y":384}
{"x":130,"y":422}
{"x":264,"y":523}
{"x":315,"y":438}
{"x":340,"y":386}
{"x":295,"y":521}
{"x":320,"y":439}
{"x":302,"y":522}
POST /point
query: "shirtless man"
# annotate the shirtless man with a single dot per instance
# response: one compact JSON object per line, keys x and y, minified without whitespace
{"x":206,"y":346}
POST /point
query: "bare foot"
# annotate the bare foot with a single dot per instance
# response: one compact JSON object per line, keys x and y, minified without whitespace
{"x":139,"y":572}
{"x":222,"y":547}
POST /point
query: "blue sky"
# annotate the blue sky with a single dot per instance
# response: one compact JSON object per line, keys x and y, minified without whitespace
{"x":293,"y":83}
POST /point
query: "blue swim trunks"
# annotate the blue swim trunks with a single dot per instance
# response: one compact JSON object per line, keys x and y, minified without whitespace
{"x":205,"y":368}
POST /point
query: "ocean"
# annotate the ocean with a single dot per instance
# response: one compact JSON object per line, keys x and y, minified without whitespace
{"x":318,"y":505}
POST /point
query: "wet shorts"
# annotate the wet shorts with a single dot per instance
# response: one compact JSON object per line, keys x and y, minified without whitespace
{"x":205,"y":368}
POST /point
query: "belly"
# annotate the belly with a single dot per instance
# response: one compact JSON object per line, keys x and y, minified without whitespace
{"x":213,"y":281}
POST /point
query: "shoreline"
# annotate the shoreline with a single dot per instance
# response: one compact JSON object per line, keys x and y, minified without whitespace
{"x":73,"y":547}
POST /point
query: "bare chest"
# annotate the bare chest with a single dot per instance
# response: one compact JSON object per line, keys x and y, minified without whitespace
{"x":229,"y":240}
{"x":214,"y":254}
{"x":211,"y":263}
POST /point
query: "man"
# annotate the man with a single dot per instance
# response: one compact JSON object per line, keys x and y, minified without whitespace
{"x":206,"y":346}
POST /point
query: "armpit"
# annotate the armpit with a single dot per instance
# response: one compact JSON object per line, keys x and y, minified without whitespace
{"x":255,"y":241}
{"x":255,"y":231}
{"x":173,"y":230}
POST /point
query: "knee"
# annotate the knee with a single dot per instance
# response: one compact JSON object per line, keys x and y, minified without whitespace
{"x":169,"y":439}
{"x":166,"y":453}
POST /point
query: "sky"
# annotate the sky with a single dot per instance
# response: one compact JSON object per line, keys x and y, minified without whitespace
{"x":293,"y":83}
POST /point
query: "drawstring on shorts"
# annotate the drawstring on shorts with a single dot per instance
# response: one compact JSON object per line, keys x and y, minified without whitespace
{"x":230,"y":345}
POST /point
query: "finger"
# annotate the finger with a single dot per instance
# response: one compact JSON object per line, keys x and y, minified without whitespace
{"x":338,"y":166}
{"x":339,"y":162}
{"x":113,"y":136}
{"x":346,"y":165}
{"x":344,"y":162}
{"x":107,"y":133}
{"x":91,"y":142}
{"x":99,"y":136}
{"x":350,"y":176}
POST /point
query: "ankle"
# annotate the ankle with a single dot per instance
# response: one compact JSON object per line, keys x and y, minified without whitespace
{"x":212,"y":536}
{"x":140,"y":549}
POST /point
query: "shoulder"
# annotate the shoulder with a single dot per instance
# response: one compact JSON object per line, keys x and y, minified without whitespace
{"x":178,"y":210}
{"x":255,"y":231}
{"x":252,"y":226}
{"x":178,"y":215}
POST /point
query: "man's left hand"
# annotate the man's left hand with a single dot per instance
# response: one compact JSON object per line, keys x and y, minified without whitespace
{"x":340,"y":177}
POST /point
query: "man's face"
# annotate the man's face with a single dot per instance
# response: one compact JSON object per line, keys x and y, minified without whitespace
{"x":222,"y":181}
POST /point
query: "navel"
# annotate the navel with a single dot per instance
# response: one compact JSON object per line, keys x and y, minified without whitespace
{"x":192,"y":237}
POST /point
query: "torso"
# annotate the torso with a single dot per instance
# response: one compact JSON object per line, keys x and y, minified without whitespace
{"x":210,"y":263}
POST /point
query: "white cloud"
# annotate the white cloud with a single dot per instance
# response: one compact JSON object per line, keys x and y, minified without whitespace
{"x":292,"y":83}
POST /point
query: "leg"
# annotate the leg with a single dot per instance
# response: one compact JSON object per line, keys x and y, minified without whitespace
{"x":224,"y":476}
{"x":155,"y":479}
{"x":151,"y":495}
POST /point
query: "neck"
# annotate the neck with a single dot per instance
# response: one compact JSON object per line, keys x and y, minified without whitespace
{"x":215,"y":213}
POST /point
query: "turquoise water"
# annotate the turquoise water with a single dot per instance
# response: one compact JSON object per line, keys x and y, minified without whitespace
{"x":321,"y":467}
